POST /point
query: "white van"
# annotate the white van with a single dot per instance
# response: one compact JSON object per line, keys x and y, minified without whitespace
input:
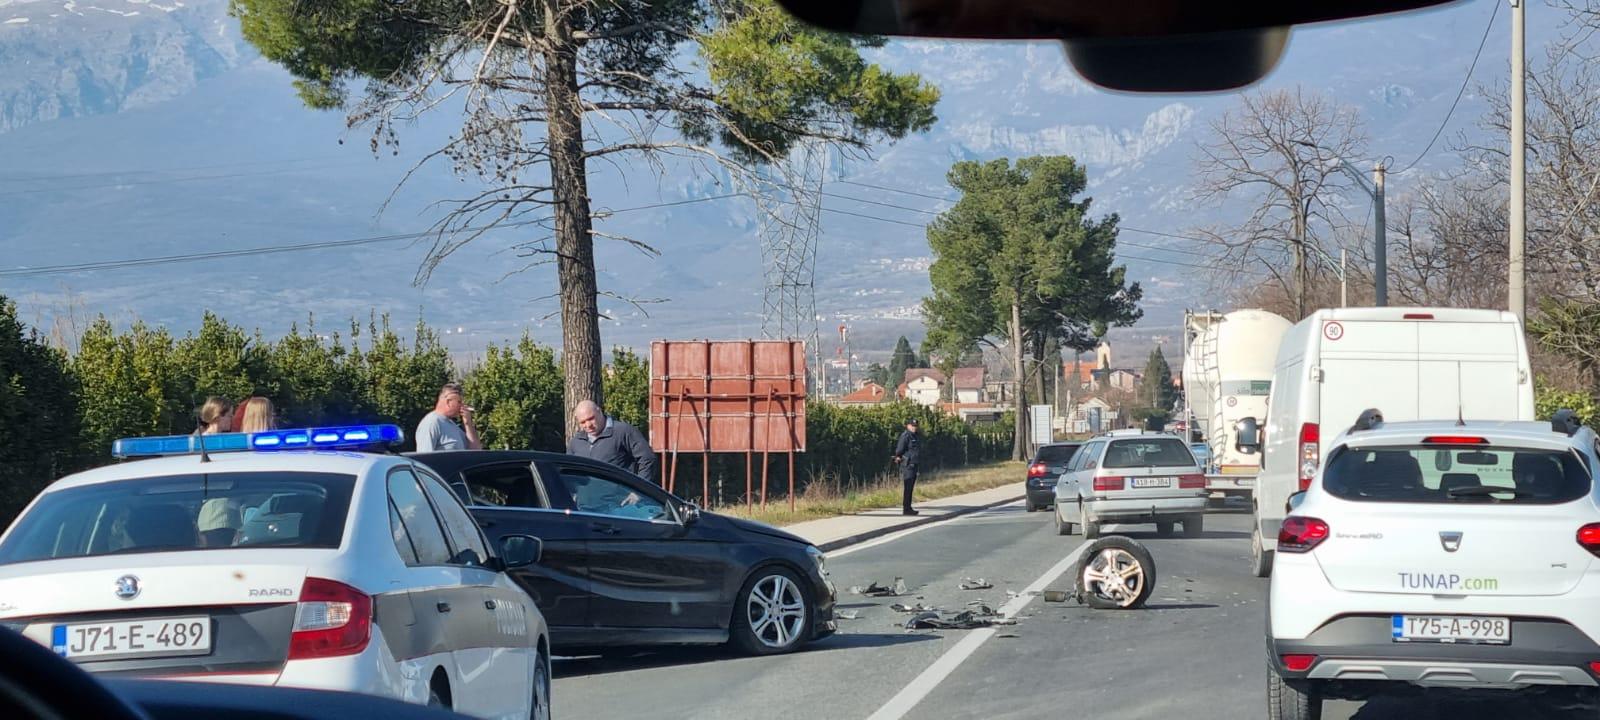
{"x":1412,"y":363}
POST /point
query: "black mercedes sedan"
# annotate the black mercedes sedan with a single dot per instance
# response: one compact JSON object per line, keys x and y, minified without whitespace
{"x":625,"y":563}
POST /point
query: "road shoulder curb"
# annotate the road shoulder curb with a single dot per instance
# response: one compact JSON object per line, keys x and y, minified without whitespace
{"x":862,"y":537}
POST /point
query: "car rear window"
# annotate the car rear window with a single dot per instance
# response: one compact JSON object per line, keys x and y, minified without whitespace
{"x":1148,"y":452}
{"x":1475,"y":474}
{"x":1056,"y":454}
{"x":183,"y":513}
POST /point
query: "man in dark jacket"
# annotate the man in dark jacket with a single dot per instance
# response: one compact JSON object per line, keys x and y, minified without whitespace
{"x":610,"y":440}
{"x":906,"y":451}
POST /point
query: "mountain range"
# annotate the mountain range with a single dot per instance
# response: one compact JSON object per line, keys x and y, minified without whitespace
{"x":134,"y":129}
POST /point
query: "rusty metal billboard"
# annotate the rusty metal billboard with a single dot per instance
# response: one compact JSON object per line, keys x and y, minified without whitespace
{"x":728,"y":396}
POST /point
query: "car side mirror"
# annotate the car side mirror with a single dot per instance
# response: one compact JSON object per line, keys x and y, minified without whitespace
{"x":1247,"y":435}
{"x":520,"y":550}
{"x":689,"y":513}
{"x":1294,"y":501}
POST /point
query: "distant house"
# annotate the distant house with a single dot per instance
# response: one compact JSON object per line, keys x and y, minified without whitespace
{"x":1091,"y":416}
{"x":968,"y":383}
{"x":923,"y":386}
{"x":870,"y":393}
{"x":1125,"y":380}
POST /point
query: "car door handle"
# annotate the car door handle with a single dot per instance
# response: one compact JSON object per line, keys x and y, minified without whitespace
{"x":443,"y":607}
{"x":488,"y":604}
{"x":604,"y":528}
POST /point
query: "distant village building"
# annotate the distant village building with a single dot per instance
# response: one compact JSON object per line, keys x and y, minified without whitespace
{"x":923,"y":386}
{"x":968,"y":383}
{"x":870,"y":393}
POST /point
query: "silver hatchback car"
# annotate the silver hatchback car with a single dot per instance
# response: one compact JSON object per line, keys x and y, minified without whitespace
{"x":1132,"y":476}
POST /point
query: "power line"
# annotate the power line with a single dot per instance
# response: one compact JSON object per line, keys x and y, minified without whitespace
{"x":301,"y":247}
{"x":191,"y":168}
{"x":161,"y":181}
{"x":892,"y":189}
{"x":1464,"y":81}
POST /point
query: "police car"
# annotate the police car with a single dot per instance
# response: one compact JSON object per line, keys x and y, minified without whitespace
{"x":278,"y":558}
{"x":1444,"y":553}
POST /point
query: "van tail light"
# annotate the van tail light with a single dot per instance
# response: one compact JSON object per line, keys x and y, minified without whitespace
{"x":1036,"y":470}
{"x":331,"y":619}
{"x":1589,"y":538}
{"x":1109,"y":483}
{"x":1310,"y":453}
{"x":1298,"y":663}
{"x":1191,"y":482}
{"x":1301,"y":534}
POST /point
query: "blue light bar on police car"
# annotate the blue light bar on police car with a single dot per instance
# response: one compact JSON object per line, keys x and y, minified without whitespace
{"x":291,"y":439}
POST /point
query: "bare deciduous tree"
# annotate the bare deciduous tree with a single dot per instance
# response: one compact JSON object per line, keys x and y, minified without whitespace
{"x":1278,"y":151}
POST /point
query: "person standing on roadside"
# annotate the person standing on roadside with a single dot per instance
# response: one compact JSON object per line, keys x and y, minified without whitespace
{"x":612,"y":441}
{"x":906,"y":452}
{"x":216,"y":416}
{"x":255,"y":415}
{"x":438,"y":430}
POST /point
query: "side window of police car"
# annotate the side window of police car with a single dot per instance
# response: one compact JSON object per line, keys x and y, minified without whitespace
{"x":462,"y":530}
{"x":418,"y":525}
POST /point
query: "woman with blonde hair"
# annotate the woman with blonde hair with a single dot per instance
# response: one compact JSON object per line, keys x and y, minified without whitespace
{"x":256,"y":416}
{"x":216,"y":416}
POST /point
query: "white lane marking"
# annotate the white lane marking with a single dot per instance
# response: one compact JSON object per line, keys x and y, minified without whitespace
{"x":921,"y":685}
{"x":891,"y":537}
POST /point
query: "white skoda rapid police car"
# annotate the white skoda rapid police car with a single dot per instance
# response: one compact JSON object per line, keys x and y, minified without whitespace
{"x":1438,"y":554}
{"x":278,"y":558}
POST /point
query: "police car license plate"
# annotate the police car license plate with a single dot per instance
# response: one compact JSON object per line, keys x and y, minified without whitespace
{"x":151,"y":637}
{"x":1152,"y":482}
{"x":1452,"y":629}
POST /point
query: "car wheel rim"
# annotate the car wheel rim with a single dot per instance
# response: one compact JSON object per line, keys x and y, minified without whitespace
{"x":776,"y":611}
{"x":1115,"y":575}
{"x":541,"y":688}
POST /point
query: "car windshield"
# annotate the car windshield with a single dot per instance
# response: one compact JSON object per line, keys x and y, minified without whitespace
{"x":182,"y":513}
{"x":1449,"y":475}
{"x":1148,"y":452}
{"x":1056,"y":454}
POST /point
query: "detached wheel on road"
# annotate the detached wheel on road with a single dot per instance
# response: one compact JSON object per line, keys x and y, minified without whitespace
{"x":1115,"y":573}
{"x":1260,"y":557}
{"x":1194,"y":525}
{"x":772,"y":612}
{"x":1287,"y":702}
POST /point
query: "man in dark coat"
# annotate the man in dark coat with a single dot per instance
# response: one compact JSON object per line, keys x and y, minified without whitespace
{"x":906,"y":452}
{"x":610,"y":440}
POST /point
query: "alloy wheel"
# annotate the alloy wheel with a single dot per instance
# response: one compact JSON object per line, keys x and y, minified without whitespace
{"x":776,"y":611}
{"x":1115,"y":575}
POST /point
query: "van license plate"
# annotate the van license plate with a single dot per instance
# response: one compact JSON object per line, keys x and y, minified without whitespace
{"x":1452,"y":629}
{"x":1152,"y":482}
{"x":153,"y":637}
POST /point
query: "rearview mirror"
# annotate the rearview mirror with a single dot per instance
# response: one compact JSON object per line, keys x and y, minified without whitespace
{"x":1247,"y":436}
{"x":690,"y":513}
{"x":1162,"y":45}
{"x":520,"y":550}
{"x":1294,"y":501}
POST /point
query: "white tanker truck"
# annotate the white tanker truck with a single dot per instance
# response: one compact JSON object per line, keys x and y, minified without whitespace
{"x":1228,"y":361}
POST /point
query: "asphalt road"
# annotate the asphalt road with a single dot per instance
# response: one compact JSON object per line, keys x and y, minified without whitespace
{"x":1195,"y":651}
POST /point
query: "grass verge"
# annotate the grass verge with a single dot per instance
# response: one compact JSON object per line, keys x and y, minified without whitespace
{"x":824,"y":498}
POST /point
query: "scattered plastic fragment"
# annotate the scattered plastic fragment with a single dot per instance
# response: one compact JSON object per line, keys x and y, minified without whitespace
{"x":875,"y":590}
{"x":846,"y":614}
{"x":1056,"y":595}
{"x":917,"y":608}
{"x":964,"y":620}
{"x":979,"y":584}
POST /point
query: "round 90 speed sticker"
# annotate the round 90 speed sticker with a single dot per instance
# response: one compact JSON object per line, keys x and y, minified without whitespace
{"x":1332,"y":330}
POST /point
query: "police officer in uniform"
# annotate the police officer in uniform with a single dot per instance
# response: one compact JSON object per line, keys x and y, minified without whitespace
{"x":906,"y":451}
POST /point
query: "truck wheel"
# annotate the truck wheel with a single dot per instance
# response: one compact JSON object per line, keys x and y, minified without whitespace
{"x":1260,"y":557}
{"x":1164,"y":528}
{"x":1115,"y":573}
{"x":1194,"y":524}
{"x":1287,"y":702}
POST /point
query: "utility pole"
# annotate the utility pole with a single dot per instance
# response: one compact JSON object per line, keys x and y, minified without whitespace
{"x":1516,"y":284}
{"x":1380,"y":242}
{"x":1344,"y":281}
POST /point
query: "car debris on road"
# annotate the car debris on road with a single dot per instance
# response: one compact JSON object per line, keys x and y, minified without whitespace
{"x":873,"y":589}
{"x":979,"y":584}
{"x":964,"y":620}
